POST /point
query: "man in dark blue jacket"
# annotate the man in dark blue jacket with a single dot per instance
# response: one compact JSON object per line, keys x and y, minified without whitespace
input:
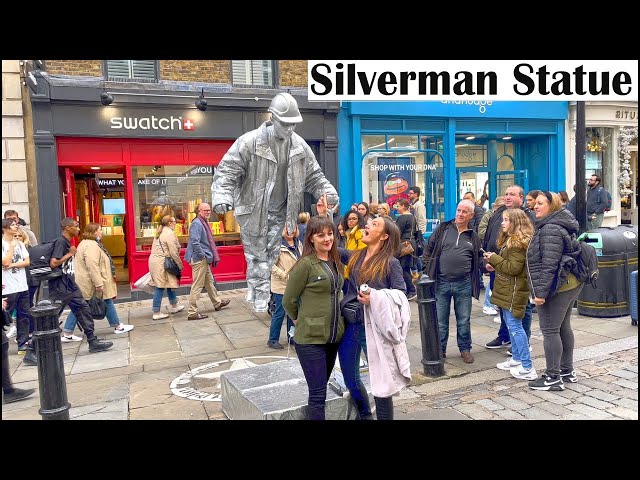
{"x":598,"y":200}
{"x":452,"y":258}
{"x":201,"y":254}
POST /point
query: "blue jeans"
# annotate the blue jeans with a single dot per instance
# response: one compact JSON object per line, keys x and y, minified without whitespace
{"x":112,"y":317}
{"x":277,"y":318}
{"x":519,"y":340}
{"x":460,"y":291}
{"x":352,"y":343}
{"x":487,"y":299}
{"x":157,"y":298}
{"x":317,"y":361}
{"x":503,"y":333}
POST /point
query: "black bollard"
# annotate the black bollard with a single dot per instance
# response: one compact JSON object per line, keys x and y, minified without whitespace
{"x":429,"y":336}
{"x":53,"y":386}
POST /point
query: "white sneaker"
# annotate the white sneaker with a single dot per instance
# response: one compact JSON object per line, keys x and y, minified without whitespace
{"x":508,"y":364}
{"x":71,"y":338}
{"x":524,"y":374}
{"x":489,"y":311}
{"x":176,"y":309}
{"x":497,"y":319}
{"x":160,"y":316}
{"x":13,"y":331}
{"x":123,"y":328}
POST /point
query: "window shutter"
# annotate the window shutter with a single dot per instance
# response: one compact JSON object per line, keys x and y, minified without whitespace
{"x":252,"y":72}
{"x":131,"y":70}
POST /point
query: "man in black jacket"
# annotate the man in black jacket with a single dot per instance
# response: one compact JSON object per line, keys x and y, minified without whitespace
{"x":598,"y":200}
{"x":451,"y":258}
{"x":513,"y":198}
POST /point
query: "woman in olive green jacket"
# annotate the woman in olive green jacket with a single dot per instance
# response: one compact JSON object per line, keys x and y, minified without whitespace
{"x":312,"y":301}
{"x":510,"y":288}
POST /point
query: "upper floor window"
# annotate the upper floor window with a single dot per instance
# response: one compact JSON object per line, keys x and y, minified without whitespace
{"x":253,"y":72}
{"x":132,"y":70}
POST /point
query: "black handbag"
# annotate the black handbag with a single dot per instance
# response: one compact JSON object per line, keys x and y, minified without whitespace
{"x":352,"y":311}
{"x":170,"y":264}
{"x":98,"y":308}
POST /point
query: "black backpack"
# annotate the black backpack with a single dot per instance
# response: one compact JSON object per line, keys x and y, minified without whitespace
{"x":586,"y":269}
{"x":40,"y":258}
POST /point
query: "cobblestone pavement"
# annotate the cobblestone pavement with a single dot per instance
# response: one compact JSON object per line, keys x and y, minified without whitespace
{"x":607,"y":389}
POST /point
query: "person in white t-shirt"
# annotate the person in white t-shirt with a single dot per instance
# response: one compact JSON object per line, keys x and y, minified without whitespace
{"x":15,"y":258}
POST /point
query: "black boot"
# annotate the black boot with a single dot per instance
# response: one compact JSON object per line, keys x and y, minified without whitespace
{"x":30,"y":358}
{"x":97,"y":345}
{"x":315,"y":412}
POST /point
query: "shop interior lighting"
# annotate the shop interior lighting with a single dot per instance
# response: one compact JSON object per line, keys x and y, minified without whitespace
{"x":470,"y":137}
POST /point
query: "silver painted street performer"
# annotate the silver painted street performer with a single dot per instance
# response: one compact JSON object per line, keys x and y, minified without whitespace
{"x":263,"y":178}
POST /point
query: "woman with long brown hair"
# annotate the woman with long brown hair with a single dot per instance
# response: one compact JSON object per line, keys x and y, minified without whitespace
{"x":377,"y":267}
{"x":312,"y":300}
{"x":95,"y":275}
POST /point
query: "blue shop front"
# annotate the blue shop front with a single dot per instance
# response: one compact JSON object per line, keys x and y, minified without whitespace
{"x":448,"y":148}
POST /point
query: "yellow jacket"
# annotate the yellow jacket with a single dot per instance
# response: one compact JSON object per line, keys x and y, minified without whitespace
{"x":354,"y":239}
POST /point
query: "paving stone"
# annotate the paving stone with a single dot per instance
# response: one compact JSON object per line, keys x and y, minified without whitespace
{"x":627,"y":403}
{"x":597,"y":384}
{"x":589,"y":411}
{"x":473,"y":411}
{"x":576,"y":416}
{"x":527,"y":397}
{"x":431,"y":414}
{"x":600,"y":395}
{"x":569,"y":393}
{"x":116,"y":410}
{"x":623,"y":412}
{"x":577,"y":387}
{"x":509,"y":415}
{"x":627,"y":384}
{"x":554,"y":408}
{"x":489,"y":404}
{"x":549,"y":396}
{"x":535,"y":413}
{"x":594,"y":402}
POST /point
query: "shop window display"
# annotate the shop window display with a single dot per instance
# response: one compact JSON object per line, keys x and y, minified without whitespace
{"x":391,"y":167}
{"x":176,"y":190}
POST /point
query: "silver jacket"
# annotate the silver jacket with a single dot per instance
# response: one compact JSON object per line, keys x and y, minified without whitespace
{"x":246,"y":176}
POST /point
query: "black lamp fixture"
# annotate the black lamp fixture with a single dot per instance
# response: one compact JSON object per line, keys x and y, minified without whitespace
{"x":106,"y":98}
{"x":201,"y":103}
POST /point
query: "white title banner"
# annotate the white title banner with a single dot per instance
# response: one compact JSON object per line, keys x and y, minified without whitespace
{"x":511,"y":80}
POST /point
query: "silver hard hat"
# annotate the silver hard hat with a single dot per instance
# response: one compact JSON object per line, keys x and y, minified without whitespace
{"x":285,"y":108}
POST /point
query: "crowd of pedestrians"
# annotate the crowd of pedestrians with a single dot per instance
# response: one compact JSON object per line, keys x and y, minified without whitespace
{"x":343,"y":285}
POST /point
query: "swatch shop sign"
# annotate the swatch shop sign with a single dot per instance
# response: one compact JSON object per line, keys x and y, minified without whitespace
{"x":152,"y":123}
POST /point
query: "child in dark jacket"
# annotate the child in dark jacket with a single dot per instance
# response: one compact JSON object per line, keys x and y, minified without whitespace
{"x":511,"y":290}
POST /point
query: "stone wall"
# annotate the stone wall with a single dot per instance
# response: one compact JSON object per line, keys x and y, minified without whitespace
{"x":293,"y":73}
{"x":15,"y":192}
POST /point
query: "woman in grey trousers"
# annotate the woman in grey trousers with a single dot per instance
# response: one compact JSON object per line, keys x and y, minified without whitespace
{"x":550,"y":259}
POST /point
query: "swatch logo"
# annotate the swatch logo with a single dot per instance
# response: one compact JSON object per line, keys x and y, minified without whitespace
{"x":152,"y":123}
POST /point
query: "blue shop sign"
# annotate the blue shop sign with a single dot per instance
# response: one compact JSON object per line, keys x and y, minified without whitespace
{"x":463,"y":109}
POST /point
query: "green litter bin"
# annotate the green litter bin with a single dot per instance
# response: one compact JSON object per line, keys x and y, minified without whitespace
{"x":617,"y":250}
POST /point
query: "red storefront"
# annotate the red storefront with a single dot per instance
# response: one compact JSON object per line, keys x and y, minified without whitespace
{"x":181,"y":169}
{"x":148,"y":153}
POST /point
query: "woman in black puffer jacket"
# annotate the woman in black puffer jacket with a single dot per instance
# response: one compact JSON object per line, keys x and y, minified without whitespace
{"x":550,"y":259}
